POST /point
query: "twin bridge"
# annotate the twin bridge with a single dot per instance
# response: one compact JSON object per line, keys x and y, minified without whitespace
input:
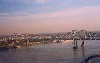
{"x":76,"y":46}
{"x":82,"y":35}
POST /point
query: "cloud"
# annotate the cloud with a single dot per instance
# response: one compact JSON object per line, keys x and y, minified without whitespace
{"x":24,"y":1}
{"x":41,"y":1}
{"x":85,"y":12}
{"x":70,"y":13}
{"x":87,"y":18}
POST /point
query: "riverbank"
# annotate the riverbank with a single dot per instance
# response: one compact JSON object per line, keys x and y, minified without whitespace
{"x":27,"y":44}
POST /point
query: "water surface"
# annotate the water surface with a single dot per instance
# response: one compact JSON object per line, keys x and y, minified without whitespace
{"x":51,"y":53}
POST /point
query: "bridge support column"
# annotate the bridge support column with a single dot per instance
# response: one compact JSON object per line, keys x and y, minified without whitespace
{"x":75,"y":44}
{"x":82,"y":44}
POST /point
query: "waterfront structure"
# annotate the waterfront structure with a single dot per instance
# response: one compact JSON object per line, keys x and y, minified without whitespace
{"x":29,"y":39}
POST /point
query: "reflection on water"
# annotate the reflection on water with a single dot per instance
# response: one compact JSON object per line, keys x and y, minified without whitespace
{"x":51,"y":53}
{"x":77,"y":54}
{"x":83,"y":53}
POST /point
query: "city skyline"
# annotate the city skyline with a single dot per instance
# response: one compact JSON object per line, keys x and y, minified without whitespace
{"x":48,"y":16}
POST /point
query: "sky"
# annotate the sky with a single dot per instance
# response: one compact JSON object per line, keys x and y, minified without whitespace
{"x":48,"y":16}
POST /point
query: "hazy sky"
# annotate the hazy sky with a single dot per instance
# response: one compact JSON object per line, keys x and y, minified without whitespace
{"x":41,"y":16}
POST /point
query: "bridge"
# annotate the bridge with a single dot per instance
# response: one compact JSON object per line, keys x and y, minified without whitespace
{"x":27,"y":39}
{"x":82,"y":35}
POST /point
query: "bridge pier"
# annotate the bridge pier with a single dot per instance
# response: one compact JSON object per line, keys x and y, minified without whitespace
{"x":75,"y":44}
{"x":82,"y":44}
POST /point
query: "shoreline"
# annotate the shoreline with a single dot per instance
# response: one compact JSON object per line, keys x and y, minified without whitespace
{"x":31,"y":44}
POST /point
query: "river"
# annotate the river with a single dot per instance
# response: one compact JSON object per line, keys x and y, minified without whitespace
{"x":51,"y":53}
